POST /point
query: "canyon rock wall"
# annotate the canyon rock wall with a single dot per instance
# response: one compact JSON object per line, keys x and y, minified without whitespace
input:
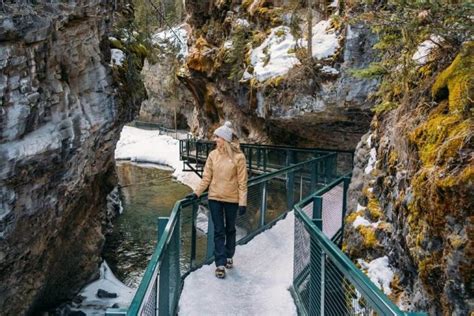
{"x":59,"y":122}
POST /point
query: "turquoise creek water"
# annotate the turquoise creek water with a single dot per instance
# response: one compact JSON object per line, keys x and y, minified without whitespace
{"x":147,"y":193}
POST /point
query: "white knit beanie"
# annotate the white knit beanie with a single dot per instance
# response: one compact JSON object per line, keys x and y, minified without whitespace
{"x":225,"y":131}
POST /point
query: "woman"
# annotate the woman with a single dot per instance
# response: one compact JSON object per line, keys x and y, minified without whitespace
{"x":225,"y":174}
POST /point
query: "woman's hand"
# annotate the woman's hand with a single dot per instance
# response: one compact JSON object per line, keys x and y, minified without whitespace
{"x":191,"y":196}
{"x":242,"y":210}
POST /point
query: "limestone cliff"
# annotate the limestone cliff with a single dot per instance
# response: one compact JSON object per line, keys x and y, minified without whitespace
{"x":60,"y":118}
{"x":247,"y":63}
{"x":412,"y":190}
{"x":169,"y":101}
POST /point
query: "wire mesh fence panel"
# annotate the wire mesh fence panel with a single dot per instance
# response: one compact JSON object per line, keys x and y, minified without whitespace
{"x":150,"y":305}
{"x":332,"y":210}
{"x":276,"y":159}
{"x":249,"y":222}
{"x":174,"y":267}
{"x":341,"y":296}
{"x":202,"y":219}
{"x":302,"y":184}
{"x":305,"y":155}
{"x":186,"y":228}
{"x":276,"y":198}
{"x":191,"y":242}
{"x":301,"y":262}
{"x":195,"y":235}
{"x":344,"y":163}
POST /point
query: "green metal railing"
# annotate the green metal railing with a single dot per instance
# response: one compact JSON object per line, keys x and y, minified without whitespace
{"x":184,"y":246}
{"x":325,"y":281}
{"x":312,"y":182}
{"x":262,"y":158}
{"x":176,"y":133}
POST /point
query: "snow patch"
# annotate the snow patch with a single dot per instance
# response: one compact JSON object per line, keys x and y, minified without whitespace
{"x":362,"y":221}
{"x":369,"y":141}
{"x":92,"y":305}
{"x":242,"y":22}
{"x":228,"y":44}
{"x":425,"y":48}
{"x":325,"y":41}
{"x":150,"y":146}
{"x":176,"y":38}
{"x":379,"y":272}
{"x":275,"y":56}
{"x":372,"y":160}
{"x":259,"y":280}
{"x":334,"y":4}
{"x":329,"y":70}
{"x":117,"y":57}
{"x":272,"y":57}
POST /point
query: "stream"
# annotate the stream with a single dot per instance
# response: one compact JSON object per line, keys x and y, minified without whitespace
{"x":147,"y":193}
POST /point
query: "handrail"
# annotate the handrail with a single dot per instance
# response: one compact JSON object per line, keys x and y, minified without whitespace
{"x":165,"y":238}
{"x":169,"y":240}
{"x":249,"y":145}
{"x":153,"y":265}
{"x":323,"y":190}
{"x":377,"y":299}
{"x":264,"y":177}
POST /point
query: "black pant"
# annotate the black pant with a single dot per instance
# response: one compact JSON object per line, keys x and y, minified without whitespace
{"x":224,"y":235}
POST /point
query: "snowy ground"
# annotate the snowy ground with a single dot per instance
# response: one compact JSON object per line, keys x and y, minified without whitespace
{"x":257,"y":285}
{"x":149,"y":146}
{"x":92,"y":305}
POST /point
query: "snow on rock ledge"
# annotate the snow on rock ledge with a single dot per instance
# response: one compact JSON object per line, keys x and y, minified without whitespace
{"x":276,"y":56}
{"x":379,"y":272}
{"x":175,"y":38}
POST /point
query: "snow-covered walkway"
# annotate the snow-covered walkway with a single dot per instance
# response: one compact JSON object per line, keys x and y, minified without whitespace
{"x":257,"y":285}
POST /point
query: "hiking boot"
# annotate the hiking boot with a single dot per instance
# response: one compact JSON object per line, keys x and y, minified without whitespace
{"x":220,"y":272}
{"x":229,"y":264}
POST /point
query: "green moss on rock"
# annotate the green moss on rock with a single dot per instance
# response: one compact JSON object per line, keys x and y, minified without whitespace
{"x":456,"y":81}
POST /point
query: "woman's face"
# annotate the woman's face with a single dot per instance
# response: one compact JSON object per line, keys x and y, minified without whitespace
{"x":219,"y":141}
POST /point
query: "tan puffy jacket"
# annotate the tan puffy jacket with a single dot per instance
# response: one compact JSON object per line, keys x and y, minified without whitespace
{"x":227,"y":181}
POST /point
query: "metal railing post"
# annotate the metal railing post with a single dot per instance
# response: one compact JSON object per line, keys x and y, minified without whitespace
{"x":265,"y":156}
{"x":250,"y":160}
{"x":346,"y":182}
{"x":188,"y":144}
{"x":301,"y":188}
{"x":162,"y":221}
{"x":290,"y":188}
{"x":316,"y":288}
{"x":174,"y":268}
{"x":163,"y":301}
{"x":193,"y":234}
{"x":331,"y":168}
{"x":263,"y":205}
{"x":259,"y":157}
{"x":313,"y":176}
{"x":197,"y":152}
{"x":210,"y":237}
{"x":318,"y":212}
